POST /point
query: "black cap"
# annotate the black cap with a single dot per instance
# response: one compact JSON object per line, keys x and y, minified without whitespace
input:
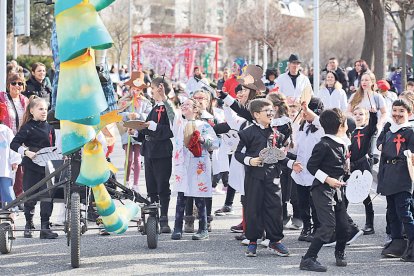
{"x":294,"y":58}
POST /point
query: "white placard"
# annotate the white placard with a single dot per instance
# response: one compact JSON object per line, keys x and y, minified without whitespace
{"x":21,"y":17}
{"x":47,"y":154}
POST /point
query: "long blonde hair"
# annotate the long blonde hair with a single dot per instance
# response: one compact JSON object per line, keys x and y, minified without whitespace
{"x":359,"y":94}
{"x":33,"y":101}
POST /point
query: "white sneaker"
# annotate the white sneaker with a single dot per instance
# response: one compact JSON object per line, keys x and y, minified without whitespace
{"x":245,"y":242}
{"x":331,"y":244}
{"x":359,"y":233}
{"x":265,"y":243}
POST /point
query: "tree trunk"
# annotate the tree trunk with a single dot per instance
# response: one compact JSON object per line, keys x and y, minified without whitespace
{"x":368,"y":47}
{"x":378,"y":43}
{"x":403,"y":17}
{"x":271,"y":56}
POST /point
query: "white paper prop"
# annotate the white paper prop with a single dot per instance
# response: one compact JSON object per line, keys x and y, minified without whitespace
{"x":409,"y":155}
{"x":231,"y":139}
{"x":271,"y":155}
{"x":47,"y":154}
{"x":306,"y":94}
{"x":358,"y":186}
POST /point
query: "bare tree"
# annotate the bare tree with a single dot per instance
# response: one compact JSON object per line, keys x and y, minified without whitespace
{"x":401,"y":8}
{"x":374,"y":17}
{"x":285,"y":34}
{"x":116,"y":20}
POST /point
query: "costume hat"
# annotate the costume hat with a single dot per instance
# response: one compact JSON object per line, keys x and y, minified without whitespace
{"x":252,"y":78}
{"x":137,"y":80}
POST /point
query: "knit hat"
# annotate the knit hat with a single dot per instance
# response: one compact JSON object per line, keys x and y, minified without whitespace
{"x":383,"y":85}
{"x":316,"y":105}
{"x":241,"y":62}
{"x":3,"y":111}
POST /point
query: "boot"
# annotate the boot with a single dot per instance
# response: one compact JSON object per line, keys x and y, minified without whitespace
{"x":46,"y":233}
{"x":408,"y":255}
{"x":369,"y":224}
{"x":202,"y":233}
{"x":189,"y":224}
{"x":28,"y":229}
{"x":209,"y":220}
{"x":395,"y":249}
{"x":165,"y":228}
{"x":306,"y":231}
{"x":340,"y":258}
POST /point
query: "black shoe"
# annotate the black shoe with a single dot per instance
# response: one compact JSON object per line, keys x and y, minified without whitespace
{"x":340,"y":258}
{"x":28,"y":230}
{"x":304,"y":234}
{"x":368,"y":229}
{"x":177,"y":234}
{"x":46,"y":233}
{"x":408,"y":255}
{"x":395,"y":249}
{"x":311,"y":264}
{"x":165,"y":228}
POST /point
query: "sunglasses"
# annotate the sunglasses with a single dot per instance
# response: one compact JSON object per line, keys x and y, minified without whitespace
{"x":17,"y":83}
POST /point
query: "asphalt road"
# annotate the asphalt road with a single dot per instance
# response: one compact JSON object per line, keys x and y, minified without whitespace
{"x":128,"y":254}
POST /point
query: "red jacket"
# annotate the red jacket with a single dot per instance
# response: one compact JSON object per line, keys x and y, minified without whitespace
{"x":230,"y":86}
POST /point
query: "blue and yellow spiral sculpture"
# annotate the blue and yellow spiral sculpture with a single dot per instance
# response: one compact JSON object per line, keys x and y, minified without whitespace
{"x":80,"y":101}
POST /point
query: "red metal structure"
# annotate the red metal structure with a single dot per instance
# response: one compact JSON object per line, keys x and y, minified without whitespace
{"x":189,"y":54}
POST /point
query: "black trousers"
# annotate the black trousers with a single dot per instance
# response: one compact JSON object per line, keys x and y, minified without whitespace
{"x":157,"y":178}
{"x":30,"y":178}
{"x":289,"y":193}
{"x":307,"y":208}
{"x":263,"y":208}
{"x":332,"y":215}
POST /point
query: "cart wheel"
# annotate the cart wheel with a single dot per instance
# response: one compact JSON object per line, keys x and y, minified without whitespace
{"x":75,"y":229}
{"x":6,"y":240}
{"x":152,"y":232}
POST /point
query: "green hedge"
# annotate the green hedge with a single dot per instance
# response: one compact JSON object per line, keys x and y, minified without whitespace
{"x":27,"y":61}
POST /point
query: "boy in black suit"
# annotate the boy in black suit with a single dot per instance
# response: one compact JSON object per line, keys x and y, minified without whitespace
{"x":395,"y":182}
{"x":157,"y":150}
{"x":328,"y":165}
{"x":262,"y":181}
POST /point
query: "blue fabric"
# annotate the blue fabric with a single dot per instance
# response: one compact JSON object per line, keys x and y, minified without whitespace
{"x":55,"y":53}
{"x":6,"y":189}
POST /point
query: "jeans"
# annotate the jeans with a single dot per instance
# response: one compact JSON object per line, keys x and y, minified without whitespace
{"x":399,"y":210}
